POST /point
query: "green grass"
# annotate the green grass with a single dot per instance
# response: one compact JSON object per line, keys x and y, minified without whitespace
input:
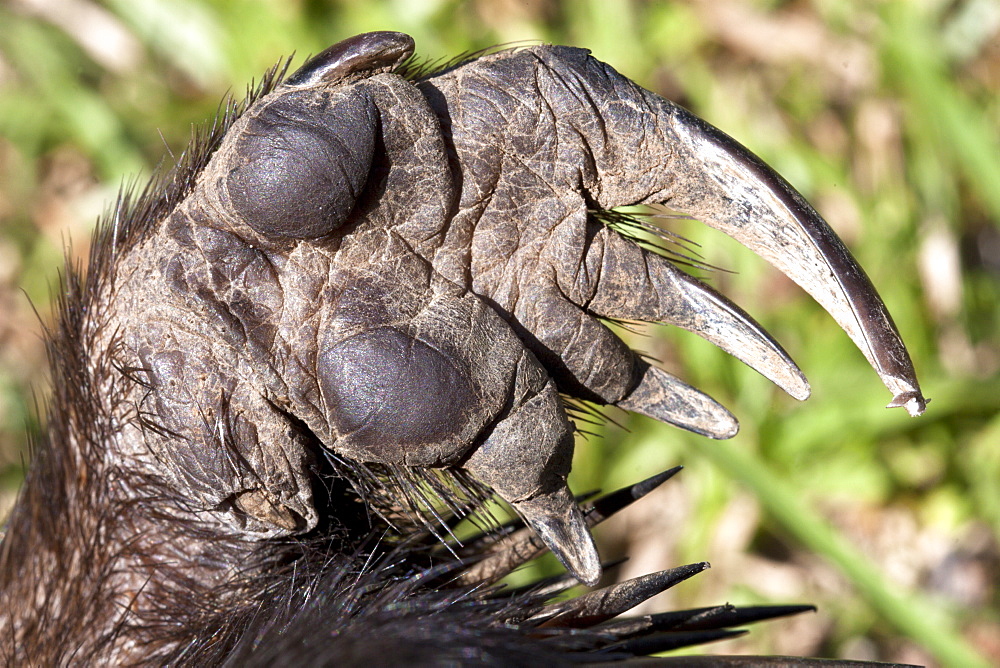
{"x":885,"y":115}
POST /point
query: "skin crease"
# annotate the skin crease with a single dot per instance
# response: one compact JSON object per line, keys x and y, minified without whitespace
{"x":393,"y":273}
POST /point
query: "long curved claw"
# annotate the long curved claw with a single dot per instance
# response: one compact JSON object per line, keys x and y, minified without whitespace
{"x":729,"y":188}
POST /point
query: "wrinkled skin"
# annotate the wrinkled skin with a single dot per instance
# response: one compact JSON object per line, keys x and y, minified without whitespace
{"x":408,"y":274}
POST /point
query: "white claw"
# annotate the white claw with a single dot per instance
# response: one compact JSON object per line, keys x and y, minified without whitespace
{"x":666,"y":398}
{"x":557,"y":520}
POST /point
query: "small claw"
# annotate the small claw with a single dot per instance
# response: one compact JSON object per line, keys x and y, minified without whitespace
{"x":666,"y":398}
{"x":521,"y":546}
{"x":557,"y":520}
{"x":369,"y":52}
{"x":525,"y":460}
{"x":729,"y":188}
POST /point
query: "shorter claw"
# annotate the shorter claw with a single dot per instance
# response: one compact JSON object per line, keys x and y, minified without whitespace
{"x":666,"y":398}
{"x":369,"y":52}
{"x":557,"y":520}
{"x":663,"y":293}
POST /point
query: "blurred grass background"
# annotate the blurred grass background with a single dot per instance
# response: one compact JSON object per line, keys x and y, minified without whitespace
{"x":884,"y":114}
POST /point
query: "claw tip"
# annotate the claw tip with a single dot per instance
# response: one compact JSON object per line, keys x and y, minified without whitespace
{"x":914,"y":402}
{"x":801,"y":392}
{"x":726,"y":431}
